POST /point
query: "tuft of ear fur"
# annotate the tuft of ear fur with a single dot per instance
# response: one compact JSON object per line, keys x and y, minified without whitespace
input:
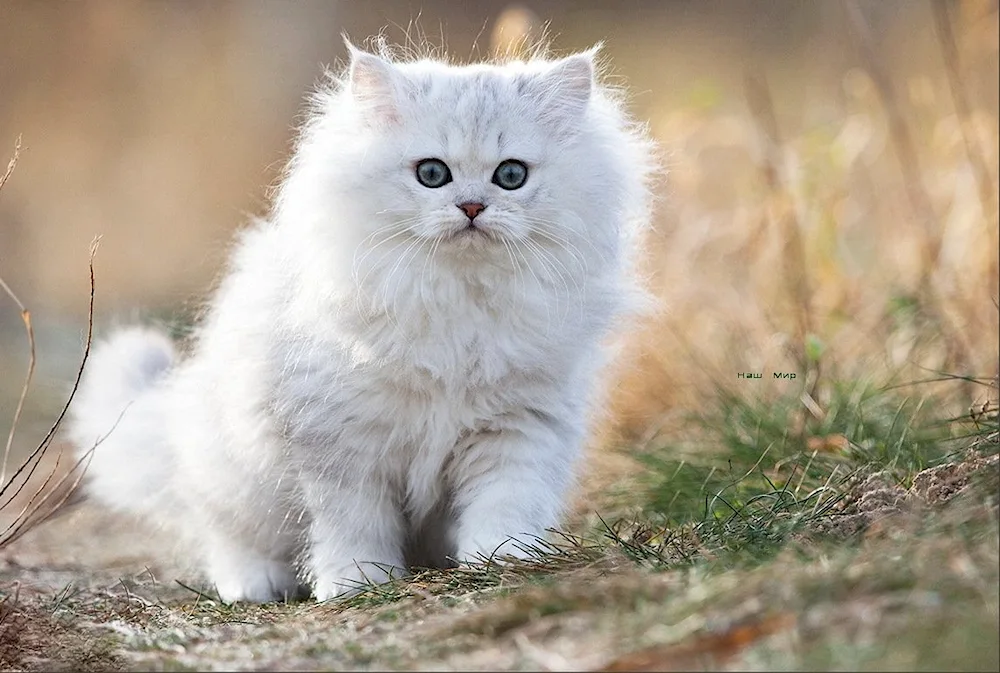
{"x":374,"y":85}
{"x":565,"y":89}
{"x":571,"y":81}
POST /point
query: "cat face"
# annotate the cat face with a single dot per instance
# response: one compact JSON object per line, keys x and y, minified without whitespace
{"x":469,"y":157}
{"x":473,"y":158}
{"x":523,"y":169}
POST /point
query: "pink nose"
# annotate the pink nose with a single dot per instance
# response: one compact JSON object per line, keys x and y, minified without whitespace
{"x":471,"y":209}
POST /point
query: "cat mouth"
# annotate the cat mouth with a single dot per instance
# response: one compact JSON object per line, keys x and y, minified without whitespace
{"x":473,"y":232}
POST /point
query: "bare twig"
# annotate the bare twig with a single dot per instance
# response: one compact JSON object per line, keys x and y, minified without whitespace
{"x":26,"y":318}
{"x":12,"y":163}
{"x":40,"y":491}
{"x":33,"y":512}
{"x":38,"y":515}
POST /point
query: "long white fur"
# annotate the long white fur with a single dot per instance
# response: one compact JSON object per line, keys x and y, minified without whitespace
{"x":371,"y":388}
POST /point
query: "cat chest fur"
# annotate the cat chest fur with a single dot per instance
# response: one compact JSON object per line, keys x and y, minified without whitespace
{"x":426,"y":393}
{"x":413,"y":386}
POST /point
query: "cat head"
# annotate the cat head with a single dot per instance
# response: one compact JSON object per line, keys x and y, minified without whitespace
{"x":480,"y":163}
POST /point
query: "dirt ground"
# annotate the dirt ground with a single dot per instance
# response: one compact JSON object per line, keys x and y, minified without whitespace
{"x":916,"y":588}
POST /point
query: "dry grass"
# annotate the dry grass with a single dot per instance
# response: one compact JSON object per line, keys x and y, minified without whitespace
{"x":860,"y":243}
{"x":32,"y":639}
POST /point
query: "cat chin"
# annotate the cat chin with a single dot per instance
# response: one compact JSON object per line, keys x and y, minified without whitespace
{"x":471,"y":239}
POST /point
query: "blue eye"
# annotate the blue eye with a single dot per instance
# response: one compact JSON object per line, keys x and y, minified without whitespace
{"x":433,"y":173}
{"x":510,"y":174}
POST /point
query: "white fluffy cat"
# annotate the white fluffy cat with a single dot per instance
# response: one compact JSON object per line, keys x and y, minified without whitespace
{"x":399,"y":366}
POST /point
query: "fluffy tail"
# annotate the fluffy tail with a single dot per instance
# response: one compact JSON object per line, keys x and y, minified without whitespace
{"x":118,"y":413}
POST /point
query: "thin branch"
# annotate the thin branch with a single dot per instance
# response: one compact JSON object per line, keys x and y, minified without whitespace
{"x":10,"y":164}
{"x":40,"y":491}
{"x":33,"y":518}
{"x":44,"y":444}
{"x":26,"y":319}
{"x":30,"y":517}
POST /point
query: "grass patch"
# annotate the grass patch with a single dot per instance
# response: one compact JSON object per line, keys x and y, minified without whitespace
{"x":761,"y":471}
{"x":564,"y":554}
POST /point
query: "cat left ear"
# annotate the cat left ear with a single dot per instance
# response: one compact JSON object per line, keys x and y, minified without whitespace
{"x":564,"y":91}
{"x":373,"y":84}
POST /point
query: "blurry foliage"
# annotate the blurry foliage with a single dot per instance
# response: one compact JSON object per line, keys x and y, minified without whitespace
{"x":871,"y":303}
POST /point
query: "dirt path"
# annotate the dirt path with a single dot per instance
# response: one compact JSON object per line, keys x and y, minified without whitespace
{"x":917,"y":590}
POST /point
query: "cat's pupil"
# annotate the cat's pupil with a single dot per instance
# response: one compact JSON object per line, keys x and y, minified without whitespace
{"x":433,"y":173}
{"x":510,"y":174}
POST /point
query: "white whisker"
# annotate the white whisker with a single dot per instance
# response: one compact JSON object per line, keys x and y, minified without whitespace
{"x":538,"y":283}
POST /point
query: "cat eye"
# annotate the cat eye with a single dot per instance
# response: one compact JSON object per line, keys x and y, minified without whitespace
{"x":433,"y":173}
{"x":510,"y":174}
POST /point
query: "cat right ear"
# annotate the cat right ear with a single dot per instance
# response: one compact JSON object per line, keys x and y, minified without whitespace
{"x":563,"y":92}
{"x":374,"y":85}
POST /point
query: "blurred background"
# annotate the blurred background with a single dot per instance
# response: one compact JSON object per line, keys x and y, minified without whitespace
{"x":828,"y":206}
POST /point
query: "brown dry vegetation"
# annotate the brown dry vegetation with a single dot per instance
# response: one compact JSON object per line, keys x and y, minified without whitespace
{"x":829,"y":209}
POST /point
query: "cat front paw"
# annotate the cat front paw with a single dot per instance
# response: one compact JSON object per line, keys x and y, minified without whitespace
{"x":496,"y":548}
{"x":258,"y":581}
{"x":349,"y":579}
